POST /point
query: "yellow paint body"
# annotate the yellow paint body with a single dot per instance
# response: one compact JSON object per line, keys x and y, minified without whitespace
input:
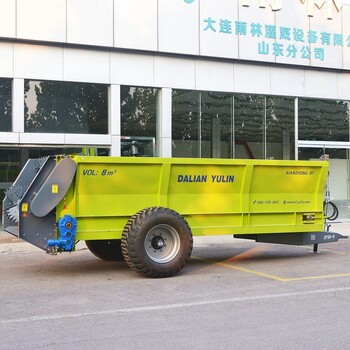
{"x":216,"y":197}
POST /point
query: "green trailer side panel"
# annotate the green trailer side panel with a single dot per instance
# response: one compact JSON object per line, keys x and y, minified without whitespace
{"x":215,"y":196}
{"x":115,"y":189}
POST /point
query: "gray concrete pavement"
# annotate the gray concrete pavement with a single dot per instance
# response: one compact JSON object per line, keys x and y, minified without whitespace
{"x":233,"y":294}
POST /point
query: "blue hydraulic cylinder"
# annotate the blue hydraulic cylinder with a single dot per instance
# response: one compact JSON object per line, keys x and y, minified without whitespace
{"x":67,"y":227}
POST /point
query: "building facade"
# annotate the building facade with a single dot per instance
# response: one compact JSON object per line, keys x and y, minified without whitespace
{"x":176,"y":78}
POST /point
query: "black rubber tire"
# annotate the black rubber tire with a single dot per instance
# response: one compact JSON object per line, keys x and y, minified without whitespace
{"x":109,"y":250}
{"x":157,"y":242}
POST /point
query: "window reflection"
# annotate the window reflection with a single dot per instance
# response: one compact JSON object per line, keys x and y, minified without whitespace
{"x":224,"y":125}
{"x":216,"y":125}
{"x":249,"y":126}
{"x":280,"y":135}
{"x":5,"y":105}
{"x":323,"y":120}
{"x":185,"y":123}
{"x":138,"y":121}
{"x":202,"y":124}
{"x":63,"y":107}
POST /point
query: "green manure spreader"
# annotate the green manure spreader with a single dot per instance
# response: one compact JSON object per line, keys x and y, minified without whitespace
{"x":146,"y":210}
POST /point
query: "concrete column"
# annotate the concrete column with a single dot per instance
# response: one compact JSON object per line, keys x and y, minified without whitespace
{"x":296,"y":127}
{"x":114,"y":118}
{"x":164,"y":123}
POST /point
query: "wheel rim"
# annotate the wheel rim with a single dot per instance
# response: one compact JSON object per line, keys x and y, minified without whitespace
{"x":162,"y":243}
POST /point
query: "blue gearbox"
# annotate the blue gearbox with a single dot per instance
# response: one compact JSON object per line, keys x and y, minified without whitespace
{"x":67,"y":227}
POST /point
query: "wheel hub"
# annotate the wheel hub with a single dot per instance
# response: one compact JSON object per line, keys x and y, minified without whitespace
{"x":162,"y":243}
{"x":157,"y":242}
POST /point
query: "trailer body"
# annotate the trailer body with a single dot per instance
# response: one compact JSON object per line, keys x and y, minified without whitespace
{"x":56,"y":201}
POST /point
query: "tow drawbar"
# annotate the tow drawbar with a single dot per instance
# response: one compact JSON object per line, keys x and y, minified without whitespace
{"x":302,"y":238}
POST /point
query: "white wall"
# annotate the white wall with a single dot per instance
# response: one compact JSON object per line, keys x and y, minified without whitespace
{"x":130,"y":31}
{"x":41,"y":20}
{"x":148,"y":30}
{"x":338,"y":169}
{"x":29,"y":61}
{"x":182,"y":28}
{"x":90,"y":22}
{"x":43,"y":62}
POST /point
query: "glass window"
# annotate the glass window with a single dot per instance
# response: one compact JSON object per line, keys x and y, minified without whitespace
{"x":202,"y":124}
{"x":9,"y":169}
{"x":216,"y":125}
{"x":338,"y":183}
{"x":64,"y":107}
{"x":249,"y":115}
{"x":280,"y":134}
{"x":306,"y":153}
{"x":185,"y":123}
{"x":5,"y":105}
{"x":323,"y":120}
{"x":138,"y":121}
{"x":219,"y":125}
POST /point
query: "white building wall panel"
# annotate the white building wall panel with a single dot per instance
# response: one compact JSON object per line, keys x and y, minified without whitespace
{"x":252,"y":79}
{"x":178,"y":27}
{"x":250,"y":44}
{"x":136,"y":24}
{"x":346,"y":29}
{"x":42,"y":138}
{"x":38,"y":62}
{"x":8,"y":18}
{"x":41,"y":20}
{"x":292,"y":21}
{"x":6,"y":60}
{"x":86,"y":139}
{"x":63,"y":139}
{"x":86,"y":66}
{"x":321,"y":84}
{"x":90,"y":22}
{"x":213,"y":41}
{"x":206,"y":27}
{"x":214,"y":76}
{"x":174,"y":72}
{"x":131,"y":69}
{"x":339,"y":168}
{"x":287,"y":81}
{"x":9,"y":137}
{"x":344,"y":86}
{"x":332,"y":52}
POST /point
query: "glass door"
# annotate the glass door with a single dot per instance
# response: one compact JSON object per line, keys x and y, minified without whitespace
{"x":339,"y":175}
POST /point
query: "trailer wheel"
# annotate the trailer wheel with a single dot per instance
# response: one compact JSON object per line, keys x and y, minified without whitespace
{"x":109,"y":250}
{"x":157,"y":242}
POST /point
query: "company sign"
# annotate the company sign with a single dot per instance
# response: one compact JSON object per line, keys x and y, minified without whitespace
{"x":302,"y":32}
